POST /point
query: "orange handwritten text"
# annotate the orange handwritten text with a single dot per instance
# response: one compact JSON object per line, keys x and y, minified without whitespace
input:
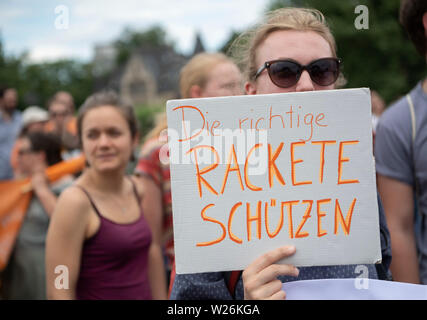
{"x":341,"y":159}
{"x":202,"y":119}
{"x":280,"y":166}
{"x":245,"y":221}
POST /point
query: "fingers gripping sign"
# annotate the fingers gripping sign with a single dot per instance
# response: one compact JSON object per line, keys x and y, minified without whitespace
{"x":260,"y":277}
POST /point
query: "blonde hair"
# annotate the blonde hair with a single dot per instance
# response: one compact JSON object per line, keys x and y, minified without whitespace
{"x":195,"y":72}
{"x":244,"y":48}
{"x":161,"y":123}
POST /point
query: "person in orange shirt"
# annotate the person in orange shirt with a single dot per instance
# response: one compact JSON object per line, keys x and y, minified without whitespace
{"x":66,"y":98}
{"x":63,"y":123}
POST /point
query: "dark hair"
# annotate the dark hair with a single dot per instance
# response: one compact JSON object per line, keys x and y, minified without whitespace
{"x":48,"y":143}
{"x":108,"y":98}
{"x":411,"y":18}
{"x":2,"y":90}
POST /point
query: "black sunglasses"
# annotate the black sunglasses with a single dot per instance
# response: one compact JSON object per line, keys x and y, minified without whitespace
{"x":286,"y":73}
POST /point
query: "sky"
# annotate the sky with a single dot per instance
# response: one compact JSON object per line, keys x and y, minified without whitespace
{"x":54,"y":29}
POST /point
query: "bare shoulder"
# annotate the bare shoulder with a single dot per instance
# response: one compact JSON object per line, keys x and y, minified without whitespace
{"x":73,"y":204}
{"x":74,"y":196}
{"x":139,"y":184}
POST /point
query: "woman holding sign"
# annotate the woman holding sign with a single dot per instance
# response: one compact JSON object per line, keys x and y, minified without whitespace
{"x":99,"y":243}
{"x":292,"y":51}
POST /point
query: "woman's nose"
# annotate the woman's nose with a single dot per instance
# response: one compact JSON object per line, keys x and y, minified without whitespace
{"x":304,"y":83}
{"x":104,"y":140}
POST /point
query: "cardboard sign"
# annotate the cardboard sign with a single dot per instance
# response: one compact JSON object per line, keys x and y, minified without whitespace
{"x":252,"y":173}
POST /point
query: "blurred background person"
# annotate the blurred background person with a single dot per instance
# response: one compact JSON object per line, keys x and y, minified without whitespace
{"x":400,"y":157}
{"x":66,"y":98}
{"x":63,"y":123}
{"x":210,"y":75}
{"x":10,"y":125}
{"x":24,"y":276}
{"x":34,"y":119}
{"x":99,"y":229}
{"x":10,"y":100}
{"x":205,"y":75}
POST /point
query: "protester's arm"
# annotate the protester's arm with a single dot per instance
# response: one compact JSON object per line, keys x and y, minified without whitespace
{"x":394,"y":159}
{"x":152,"y":208}
{"x":156,"y":273}
{"x":398,"y":201}
{"x":43,"y":192}
{"x":64,"y":244}
{"x":68,"y":140}
{"x":40,"y":184}
{"x":260,"y":277}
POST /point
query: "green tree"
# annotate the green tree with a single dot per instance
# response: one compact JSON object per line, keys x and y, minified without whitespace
{"x":10,"y":69}
{"x":227,"y":45}
{"x":380,"y":57}
{"x":44,"y":79}
{"x":37,"y":82}
{"x":146,"y":115}
{"x":131,"y":39}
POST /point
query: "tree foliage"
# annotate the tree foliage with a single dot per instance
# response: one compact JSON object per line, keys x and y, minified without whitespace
{"x":48,"y":78}
{"x":380,"y":57}
{"x":131,"y":39}
{"x":227,"y":45}
{"x":37,"y":82}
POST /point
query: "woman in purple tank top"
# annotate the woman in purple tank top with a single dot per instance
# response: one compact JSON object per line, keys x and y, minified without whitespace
{"x":99,"y":241}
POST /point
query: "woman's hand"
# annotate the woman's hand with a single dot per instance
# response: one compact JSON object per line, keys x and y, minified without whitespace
{"x":38,"y":168}
{"x":260,"y":277}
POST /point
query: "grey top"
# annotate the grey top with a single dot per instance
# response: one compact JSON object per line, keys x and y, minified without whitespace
{"x":398,"y":158}
{"x":24,"y":276}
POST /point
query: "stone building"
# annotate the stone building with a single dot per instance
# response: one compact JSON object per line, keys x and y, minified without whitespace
{"x":150,"y":74}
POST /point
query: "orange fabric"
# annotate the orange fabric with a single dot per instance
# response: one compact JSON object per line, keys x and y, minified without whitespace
{"x":49,"y":126}
{"x":13,"y":206}
{"x":71,"y":126}
{"x":172,"y":279}
{"x":15,"y":196}
{"x":60,"y":169}
{"x":14,"y":155}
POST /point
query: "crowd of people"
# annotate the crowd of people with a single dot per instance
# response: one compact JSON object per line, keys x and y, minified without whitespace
{"x":114,"y":231}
